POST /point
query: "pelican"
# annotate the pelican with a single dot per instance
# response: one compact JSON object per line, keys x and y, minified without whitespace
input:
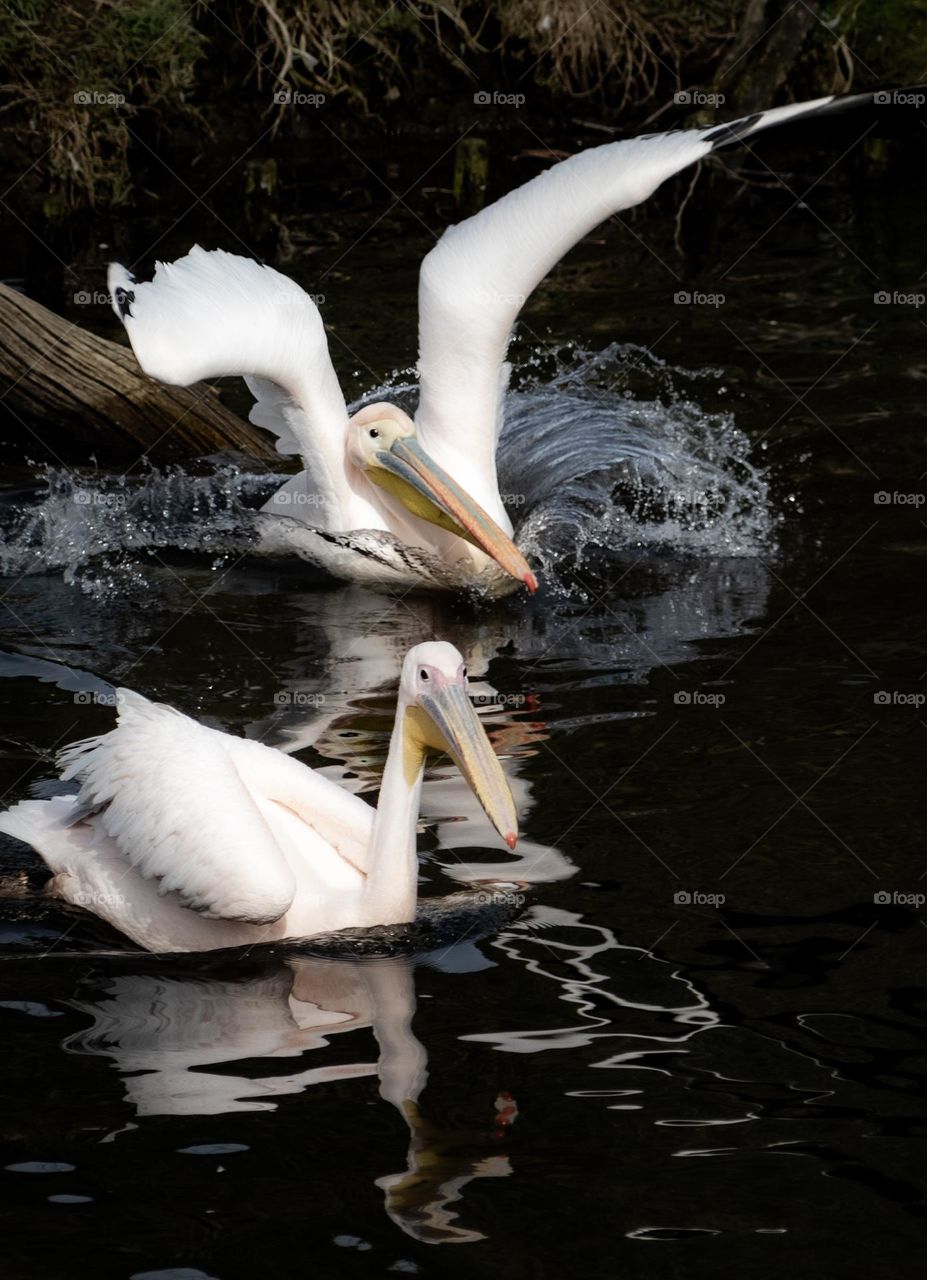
{"x":189,"y":839}
{"x":385,"y":500}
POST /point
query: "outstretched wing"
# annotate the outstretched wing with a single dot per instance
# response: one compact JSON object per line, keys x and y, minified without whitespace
{"x":170,"y":798}
{"x":475,"y":280}
{"x":213,"y":314}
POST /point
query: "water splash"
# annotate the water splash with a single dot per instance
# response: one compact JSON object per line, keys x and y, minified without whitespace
{"x":598,"y":470}
{"x":588,"y":471}
{"x":97,"y":529}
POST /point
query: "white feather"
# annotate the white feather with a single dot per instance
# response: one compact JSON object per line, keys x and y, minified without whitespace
{"x":157,"y":763}
{"x":213,"y":314}
{"x":476,"y":279}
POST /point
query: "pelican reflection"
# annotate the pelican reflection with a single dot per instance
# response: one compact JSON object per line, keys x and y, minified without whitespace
{"x":174,"y":1037}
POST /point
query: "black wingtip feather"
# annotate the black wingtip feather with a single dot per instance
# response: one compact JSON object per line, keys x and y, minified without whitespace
{"x":124,"y":299}
{"x":731,"y":132}
{"x":727,"y":134}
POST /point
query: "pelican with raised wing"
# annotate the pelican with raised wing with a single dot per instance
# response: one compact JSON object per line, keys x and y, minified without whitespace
{"x":189,"y":839}
{"x":384,"y":500}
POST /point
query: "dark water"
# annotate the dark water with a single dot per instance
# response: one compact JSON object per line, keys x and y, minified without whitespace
{"x":698,"y":1045}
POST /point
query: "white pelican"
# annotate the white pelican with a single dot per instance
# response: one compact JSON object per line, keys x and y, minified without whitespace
{"x":188,"y":839}
{"x":385,"y":501}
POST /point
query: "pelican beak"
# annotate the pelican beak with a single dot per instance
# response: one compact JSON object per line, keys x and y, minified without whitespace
{"x":462,"y":735}
{"x":425,"y":489}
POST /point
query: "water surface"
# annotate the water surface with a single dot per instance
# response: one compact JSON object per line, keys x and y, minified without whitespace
{"x":698,"y":1045}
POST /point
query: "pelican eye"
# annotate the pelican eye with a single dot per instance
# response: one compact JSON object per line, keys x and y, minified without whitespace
{"x":374,"y":433}
{"x":424,"y":676}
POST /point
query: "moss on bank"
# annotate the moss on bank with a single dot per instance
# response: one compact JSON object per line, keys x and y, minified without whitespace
{"x":90,"y":85}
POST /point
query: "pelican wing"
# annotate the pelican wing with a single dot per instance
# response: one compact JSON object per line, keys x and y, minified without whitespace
{"x":342,"y":819}
{"x":475,"y":280}
{"x":166,"y":792}
{"x":213,"y":314}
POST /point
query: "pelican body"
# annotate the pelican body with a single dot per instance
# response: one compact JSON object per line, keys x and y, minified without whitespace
{"x":189,"y":839}
{"x":417,"y":504}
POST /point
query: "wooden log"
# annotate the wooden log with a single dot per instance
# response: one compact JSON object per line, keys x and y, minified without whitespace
{"x":67,"y":394}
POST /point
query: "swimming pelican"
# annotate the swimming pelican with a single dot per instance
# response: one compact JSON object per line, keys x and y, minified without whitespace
{"x":189,"y":839}
{"x":384,"y":500}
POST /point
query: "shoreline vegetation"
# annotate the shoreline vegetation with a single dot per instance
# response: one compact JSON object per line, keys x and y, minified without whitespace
{"x":127,"y":123}
{"x":93,"y":91}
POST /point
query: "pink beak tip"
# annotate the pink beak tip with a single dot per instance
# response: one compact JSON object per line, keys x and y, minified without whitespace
{"x":511,"y":839}
{"x":530,"y":581}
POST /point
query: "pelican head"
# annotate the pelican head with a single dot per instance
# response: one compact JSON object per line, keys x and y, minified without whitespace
{"x":438,"y":714}
{"x":383,"y":444}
